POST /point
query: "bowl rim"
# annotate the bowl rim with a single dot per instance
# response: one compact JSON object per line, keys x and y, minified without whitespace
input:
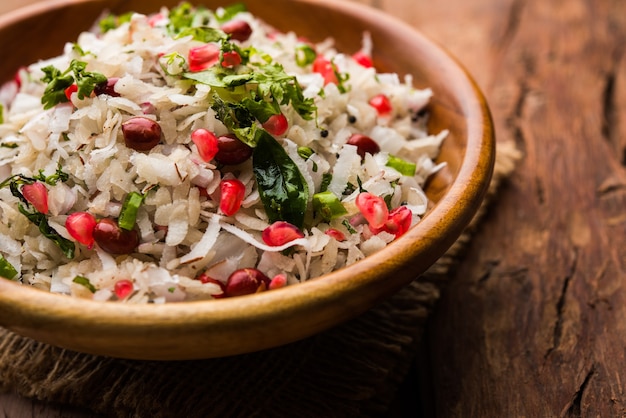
{"x":45,"y":308}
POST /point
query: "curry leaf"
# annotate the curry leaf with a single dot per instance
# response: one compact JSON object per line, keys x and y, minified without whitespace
{"x":282,"y":187}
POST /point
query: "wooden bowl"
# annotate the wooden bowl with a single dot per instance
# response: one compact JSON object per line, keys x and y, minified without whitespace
{"x":224,"y":327}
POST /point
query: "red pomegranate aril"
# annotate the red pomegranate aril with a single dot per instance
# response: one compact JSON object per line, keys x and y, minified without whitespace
{"x":363,"y":59}
{"x":205,"y":278}
{"x":238,"y":29}
{"x":231,"y":151}
{"x":232,"y":192}
{"x":278,"y":281}
{"x":280,"y":233}
{"x":336,"y":234}
{"x":373,"y":208}
{"x":141,"y":134}
{"x":231,"y":59}
{"x":399,"y":221}
{"x":324,"y":67}
{"x":382,"y":104}
{"x":364,"y":144}
{"x":37,"y":195}
{"x":123,"y":288}
{"x":70,"y":90}
{"x":276,"y":124}
{"x":113,"y":239}
{"x":246,"y":281}
{"x":206,"y":142}
{"x":202,"y":57}
{"x":80,"y":225}
{"x":108,"y":87}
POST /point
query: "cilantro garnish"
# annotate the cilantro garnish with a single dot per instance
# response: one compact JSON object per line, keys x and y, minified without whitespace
{"x":112,"y":21}
{"x":59,"y":81}
{"x":37,"y":218}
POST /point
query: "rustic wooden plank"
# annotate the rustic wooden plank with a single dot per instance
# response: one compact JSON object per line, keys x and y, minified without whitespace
{"x":533,"y":323}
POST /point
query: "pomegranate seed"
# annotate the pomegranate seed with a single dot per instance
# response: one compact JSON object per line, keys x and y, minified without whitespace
{"x":280,"y":233}
{"x":18,"y":77}
{"x":238,"y":29}
{"x":108,"y":87}
{"x":231,"y":151}
{"x":364,"y":144}
{"x":232,"y":192}
{"x":373,"y":208}
{"x":363,"y":59}
{"x":141,"y":134}
{"x":202,"y":57}
{"x":37,"y":195}
{"x":278,"y":281}
{"x":324,"y":67}
{"x":231,"y":59}
{"x":382,"y":104}
{"x":70,"y":90}
{"x":399,"y":221}
{"x":206,"y":142}
{"x":80,"y":225}
{"x":205,"y":278}
{"x":246,"y":281}
{"x":276,"y":124}
{"x":113,"y":239}
{"x":123,"y":288}
{"x":335,"y":233}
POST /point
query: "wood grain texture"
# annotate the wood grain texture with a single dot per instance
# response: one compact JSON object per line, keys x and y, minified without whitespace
{"x":534,"y":322}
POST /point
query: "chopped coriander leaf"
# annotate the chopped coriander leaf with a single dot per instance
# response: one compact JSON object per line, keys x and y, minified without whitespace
{"x":37,"y":218}
{"x":9,"y":145}
{"x":203,"y":34}
{"x":59,"y":81}
{"x":186,"y":16}
{"x":112,"y":21}
{"x":83,"y":281}
{"x":6,"y":269}
{"x":229,"y":12}
{"x":1,"y":113}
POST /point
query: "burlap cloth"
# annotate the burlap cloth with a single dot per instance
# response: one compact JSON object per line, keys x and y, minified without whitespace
{"x":352,"y":370}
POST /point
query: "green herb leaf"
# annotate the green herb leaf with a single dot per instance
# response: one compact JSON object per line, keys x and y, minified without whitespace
{"x":83,"y":281}
{"x":39,"y":219}
{"x":282,"y":187}
{"x":58,"y":82}
{"x":6,"y":269}
{"x":112,"y":21}
{"x":229,"y":12}
{"x":47,"y":231}
{"x":203,"y":34}
{"x":186,"y":16}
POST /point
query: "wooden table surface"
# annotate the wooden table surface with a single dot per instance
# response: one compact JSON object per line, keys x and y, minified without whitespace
{"x":534,"y":323}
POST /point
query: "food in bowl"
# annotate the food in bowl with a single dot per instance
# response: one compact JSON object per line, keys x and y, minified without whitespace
{"x":197,"y":154}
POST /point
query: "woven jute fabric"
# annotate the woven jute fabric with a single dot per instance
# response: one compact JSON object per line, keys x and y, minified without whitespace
{"x":351,"y":370}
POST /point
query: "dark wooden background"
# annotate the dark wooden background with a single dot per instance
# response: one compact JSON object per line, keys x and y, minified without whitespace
{"x":534,"y":323}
